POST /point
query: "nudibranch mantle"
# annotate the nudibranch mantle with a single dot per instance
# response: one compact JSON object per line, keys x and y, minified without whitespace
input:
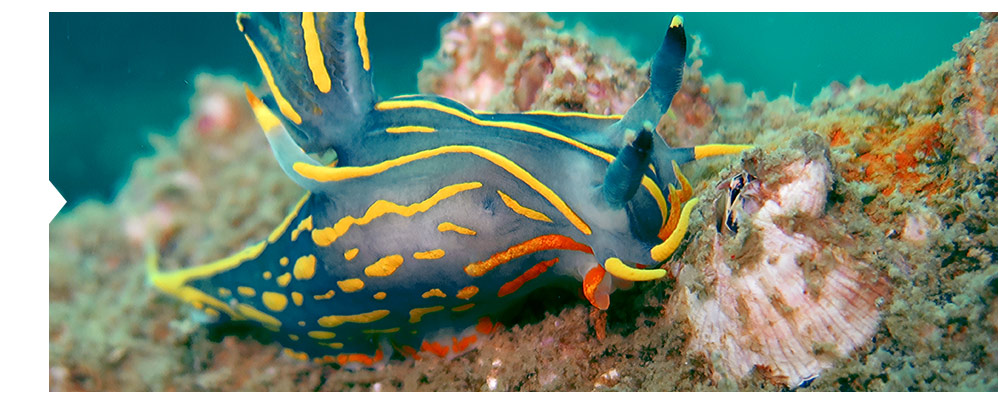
{"x":434,"y":217}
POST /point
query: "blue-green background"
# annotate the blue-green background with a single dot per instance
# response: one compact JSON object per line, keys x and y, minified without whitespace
{"x":115,"y":77}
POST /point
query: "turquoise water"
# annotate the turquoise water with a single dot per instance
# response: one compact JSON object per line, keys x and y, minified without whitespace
{"x":114,"y":78}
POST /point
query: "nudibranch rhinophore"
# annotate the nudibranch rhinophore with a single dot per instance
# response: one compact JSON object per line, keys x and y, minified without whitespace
{"x":435,"y":217}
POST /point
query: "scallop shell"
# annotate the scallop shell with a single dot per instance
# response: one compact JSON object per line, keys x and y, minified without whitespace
{"x":779,"y":300}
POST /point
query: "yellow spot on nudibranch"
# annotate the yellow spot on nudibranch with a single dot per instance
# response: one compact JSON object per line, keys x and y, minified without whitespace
{"x":293,"y":337}
{"x":322,"y":334}
{"x":305,"y":224}
{"x":313,"y":52}
{"x":275,"y":301}
{"x":301,"y":323}
{"x":358,"y":25}
{"x":246,"y":291}
{"x":326,"y":236}
{"x":428,"y":255}
{"x":333,"y":321}
{"x":467,"y":292}
{"x":416,"y":315}
{"x":350,"y":254}
{"x":380,"y":296}
{"x":211,"y":312}
{"x":434,"y":293}
{"x":267,"y":275}
{"x":350,"y":285}
{"x":384,"y":266}
{"x":224,"y":292}
{"x":305,"y":267}
{"x":524,"y":211}
{"x":297,"y":298}
{"x":448,"y":226}
{"x":283,"y":280}
{"x":463,"y":307}
{"x":328,"y":295}
{"x":410,"y":129}
{"x":284,"y":261}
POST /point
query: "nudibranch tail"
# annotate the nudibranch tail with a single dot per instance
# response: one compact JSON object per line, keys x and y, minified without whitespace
{"x":319,"y":74}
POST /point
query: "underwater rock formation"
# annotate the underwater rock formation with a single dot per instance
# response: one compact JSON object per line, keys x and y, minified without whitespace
{"x":507,"y":62}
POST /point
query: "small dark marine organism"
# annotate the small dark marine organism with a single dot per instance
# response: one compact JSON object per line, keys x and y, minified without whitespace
{"x":434,"y":218}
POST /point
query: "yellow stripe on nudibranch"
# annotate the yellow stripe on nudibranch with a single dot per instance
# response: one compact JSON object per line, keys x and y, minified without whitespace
{"x":429,"y":255}
{"x":526,"y":212}
{"x":313,"y":52}
{"x":448,"y":226}
{"x":358,"y":25}
{"x":410,"y":129}
{"x":416,"y":315}
{"x":336,"y":320}
{"x":263,"y":318}
{"x":662,"y":251}
{"x":282,"y":103}
{"x":327,"y":235}
{"x":384,"y":266}
{"x":709,"y":150}
{"x":327,"y":174}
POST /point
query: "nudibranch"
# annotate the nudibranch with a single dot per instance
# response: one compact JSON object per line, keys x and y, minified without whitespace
{"x":434,"y":217}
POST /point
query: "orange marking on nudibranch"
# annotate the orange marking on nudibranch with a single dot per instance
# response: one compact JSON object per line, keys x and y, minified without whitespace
{"x":533,"y":272}
{"x":380,"y":296}
{"x":463,"y":307}
{"x":434,"y":293}
{"x":435,"y":348}
{"x":460,"y":345}
{"x":540,"y":243}
{"x":350,"y":254}
{"x":284,"y":279}
{"x":485,"y":325}
{"x":467,"y":292}
{"x":589,"y":284}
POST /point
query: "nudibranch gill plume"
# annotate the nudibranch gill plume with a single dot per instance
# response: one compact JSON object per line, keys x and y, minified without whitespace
{"x":435,"y":218}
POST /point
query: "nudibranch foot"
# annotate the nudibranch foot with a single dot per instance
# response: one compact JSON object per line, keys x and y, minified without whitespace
{"x":435,"y":219}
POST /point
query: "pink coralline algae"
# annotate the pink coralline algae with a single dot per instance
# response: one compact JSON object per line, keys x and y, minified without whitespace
{"x":518,"y":62}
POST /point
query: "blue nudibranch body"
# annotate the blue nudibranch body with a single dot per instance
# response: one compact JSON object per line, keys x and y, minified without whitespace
{"x":435,"y":217}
